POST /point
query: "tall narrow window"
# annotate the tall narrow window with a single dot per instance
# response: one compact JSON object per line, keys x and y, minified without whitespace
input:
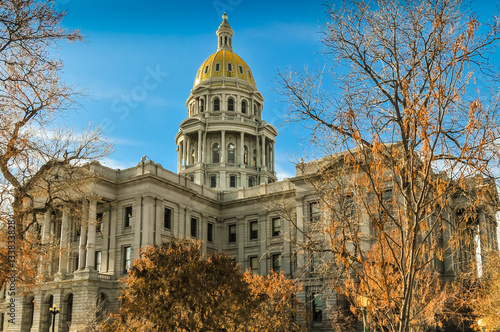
{"x":251,"y":181}
{"x":216,"y":104}
{"x":314,"y":212}
{"x":254,"y":230}
{"x":276,"y":226}
{"x":232,"y":181}
{"x":225,"y":40}
{"x":206,"y":69}
{"x":210,"y":232}
{"x":230,"y":104}
{"x":243,"y":107}
{"x":128,"y":216}
{"x":194,"y":227}
{"x":276,"y":262}
{"x":97,"y":261}
{"x":230,"y":153}
{"x":31,"y":312}
{"x":253,"y":261}
{"x":215,"y":153}
{"x":167,"y":219}
{"x":69,"y":309}
{"x":76,"y":260}
{"x":213,"y":181}
{"x":254,"y":158}
{"x":217,"y":66}
{"x":232,"y":233}
{"x":229,"y":66}
{"x":240,"y":69}
{"x":202,"y":105}
{"x":126,"y":258}
{"x":245,"y":155}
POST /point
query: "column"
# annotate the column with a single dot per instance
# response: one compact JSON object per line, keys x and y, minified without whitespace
{"x":184,"y":148}
{"x":300,"y":230}
{"x":137,"y":227}
{"x":187,"y":224}
{"x":257,"y":150}
{"x":223,"y":146}
{"x":106,"y":220}
{"x":63,"y":245}
{"x":203,"y":231}
{"x":83,"y":239}
{"x":240,"y":229}
{"x":149,"y":221}
{"x":45,"y":238}
{"x":198,"y":157}
{"x":263,"y":151}
{"x":204,"y":148}
{"x":263,"y":244}
{"x":179,"y":158}
{"x":188,"y":152}
{"x":273,"y":162}
{"x":242,"y":148}
{"x":90,"y":264}
{"x":113,"y":222}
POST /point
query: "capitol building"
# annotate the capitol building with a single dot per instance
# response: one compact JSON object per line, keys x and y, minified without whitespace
{"x":225,"y":192}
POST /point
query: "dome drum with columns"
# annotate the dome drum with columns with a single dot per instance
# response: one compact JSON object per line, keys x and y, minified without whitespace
{"x":224,"y":143}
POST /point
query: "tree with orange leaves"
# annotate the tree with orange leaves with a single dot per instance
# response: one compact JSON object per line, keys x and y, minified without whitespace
{"x":410,"y":147}
{"x":173,"y":287}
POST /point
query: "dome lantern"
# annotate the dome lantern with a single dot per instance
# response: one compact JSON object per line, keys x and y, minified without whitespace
{"x":225,"y":35}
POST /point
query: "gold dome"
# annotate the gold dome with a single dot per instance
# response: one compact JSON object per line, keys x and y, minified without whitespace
{"x":224,"y":63}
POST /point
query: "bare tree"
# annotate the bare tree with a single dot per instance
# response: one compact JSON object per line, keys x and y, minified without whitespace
{"x":408,"y":138}
{"x":36,"y":157}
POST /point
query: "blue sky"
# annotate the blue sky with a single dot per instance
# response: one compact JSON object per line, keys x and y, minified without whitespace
{"x":138,"y":64}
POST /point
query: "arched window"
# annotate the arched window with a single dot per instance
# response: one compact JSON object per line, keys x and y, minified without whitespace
{"x":225,"y":40}
{"x":245,"y":155}
{"x":216,"y":104}
{"x":244,"y":107}
{"x":215,"y":153}
{"x":69,"y":309}
{"x":230,"y":104}
{"x":202,"y":105}
{"x":230,"y":153}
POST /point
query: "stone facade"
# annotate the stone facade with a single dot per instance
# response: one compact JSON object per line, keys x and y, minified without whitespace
{"x":225,"y":193}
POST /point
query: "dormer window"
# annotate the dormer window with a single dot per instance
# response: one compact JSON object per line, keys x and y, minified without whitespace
{"x":229,"y":66}
{"x":206,"y":69}
{"x":217,"y":66}
{"x":249,"y":74}
{"x":241,"y":69}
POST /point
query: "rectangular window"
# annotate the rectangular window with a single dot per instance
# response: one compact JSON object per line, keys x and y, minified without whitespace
{"x":254,"y":230}
{"x":241,"y":69}
{"x":167,"y":218}
{"x":97,"y":261}
{"x":276,"y":227}
{"x":229,"y":66}
{"x":128,"y":216}
{"x":276,"y":262}
{"x":210,"y":232}
{"x":253,"y":263}
{"x":213,"y":181}
{"x":232,"y":181}
{"x":98,"y":219}
{"x":317,"y":307}
{"x":314,"y":212}
{"x":232,"y":233}
{"x":217,"y":66}
{"x":126,"y":259}
{"x":194,"y":227}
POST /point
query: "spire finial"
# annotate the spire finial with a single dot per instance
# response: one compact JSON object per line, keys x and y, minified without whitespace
{"x":224,"y":16}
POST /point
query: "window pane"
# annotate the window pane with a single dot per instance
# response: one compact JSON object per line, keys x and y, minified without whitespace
{"x":276,"y":225}
{"x":232,"y":181}
{"x":232,"y":233}
{"x":167,"y":218}
{"x":254,"y":230}
{"x":194,"y":227}
{"x":314,"y":212}
{"x":128,"y":216}
{"x":210,"y":232}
